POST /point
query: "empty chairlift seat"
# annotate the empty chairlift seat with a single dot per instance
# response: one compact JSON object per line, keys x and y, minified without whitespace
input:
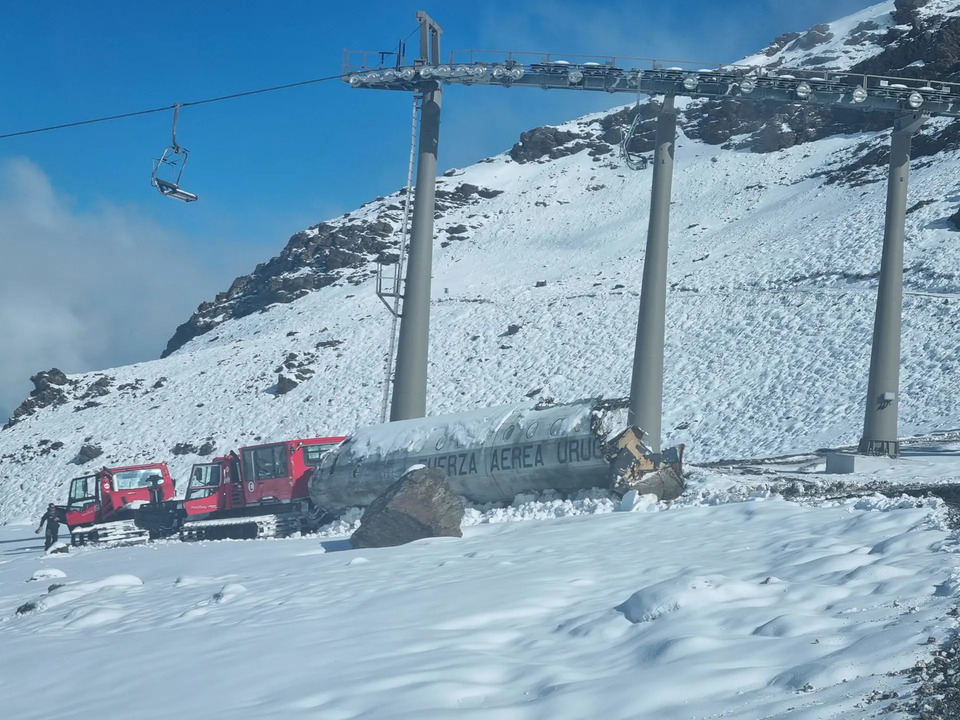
{"x":171,"y":164}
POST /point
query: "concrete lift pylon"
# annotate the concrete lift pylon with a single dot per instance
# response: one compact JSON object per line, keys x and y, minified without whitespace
{"x":410,"y":378}
{"x":883,"y":387}
{"x":646,"y":385}
{"x":914,"y":100}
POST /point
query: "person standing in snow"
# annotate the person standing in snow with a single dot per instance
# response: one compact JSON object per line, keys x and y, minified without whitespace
{"x":52,"y":519}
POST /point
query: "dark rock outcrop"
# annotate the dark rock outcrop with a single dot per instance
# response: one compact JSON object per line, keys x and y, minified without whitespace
{"x":550,"y":143}
{"x":184,"y":448}
{"x":285,"y":384}
{"x":419,"y":505}
{"x":48,"y":389}
{"x":933,"y":44}
{"x":98,"y":388}
{"x":87,"y":452}
{"x":779,"y":43}
{"x":816,"y":35}
{"x":541,"y":142}
{"x":904,"y":12}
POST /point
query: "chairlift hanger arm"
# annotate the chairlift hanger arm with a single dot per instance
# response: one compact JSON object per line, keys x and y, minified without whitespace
{"x":176,"y":112}
{"x":171,"y":188}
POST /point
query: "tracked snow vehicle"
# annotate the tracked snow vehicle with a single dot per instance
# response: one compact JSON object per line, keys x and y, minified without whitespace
{"x":101,"y":506}
{"x":260,"y":492}
{"x":493,"y":454}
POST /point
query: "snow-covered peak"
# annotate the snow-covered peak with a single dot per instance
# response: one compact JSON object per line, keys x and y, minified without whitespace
{"x":837,"y":45}
{"x":885,"y":38}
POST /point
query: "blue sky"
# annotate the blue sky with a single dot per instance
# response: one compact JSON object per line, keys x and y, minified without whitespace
{"x":98,"y":268}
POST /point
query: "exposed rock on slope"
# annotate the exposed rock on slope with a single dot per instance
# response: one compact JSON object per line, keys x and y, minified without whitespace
{"x":49,"y":388}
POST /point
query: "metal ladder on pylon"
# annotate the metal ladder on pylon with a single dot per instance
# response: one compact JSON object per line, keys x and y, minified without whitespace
{"x":392,"y":294}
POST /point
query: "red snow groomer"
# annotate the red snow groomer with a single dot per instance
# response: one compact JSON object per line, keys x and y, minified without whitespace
{"x":260,"y":492}
{"x":101,"y":506}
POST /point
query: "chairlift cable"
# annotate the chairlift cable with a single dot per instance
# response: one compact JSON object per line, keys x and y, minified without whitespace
{"x":169,"y":107}
{"x":262,"y":90}
{"x":86,"y":122}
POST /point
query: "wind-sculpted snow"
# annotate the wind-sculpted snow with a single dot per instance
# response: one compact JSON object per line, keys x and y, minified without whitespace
{"x":724,"y":604}
{"x":772,"y":287}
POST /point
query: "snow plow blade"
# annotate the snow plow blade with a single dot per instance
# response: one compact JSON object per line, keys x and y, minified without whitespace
{"x":634,"y":466}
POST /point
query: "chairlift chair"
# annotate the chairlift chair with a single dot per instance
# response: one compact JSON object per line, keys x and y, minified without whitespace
{"x":174,"y":157}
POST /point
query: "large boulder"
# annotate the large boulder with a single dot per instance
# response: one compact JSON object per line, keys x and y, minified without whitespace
{"x":419,"y":505}
{"x":88,"y":451}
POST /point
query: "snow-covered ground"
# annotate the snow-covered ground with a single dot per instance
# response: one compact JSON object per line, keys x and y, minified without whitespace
{"x":730,"y":603}
{"x":766,"y":591}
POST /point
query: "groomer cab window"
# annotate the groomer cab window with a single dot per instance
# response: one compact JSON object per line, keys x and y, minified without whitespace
{"x":265,"y":462}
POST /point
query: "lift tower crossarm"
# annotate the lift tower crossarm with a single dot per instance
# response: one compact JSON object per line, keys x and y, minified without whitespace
{"x":604,"y":74}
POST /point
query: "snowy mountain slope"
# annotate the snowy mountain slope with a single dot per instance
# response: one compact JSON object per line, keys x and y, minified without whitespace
{"x":836,"y":45}
{"x":773,"y":266}
{"x":871,"y":41}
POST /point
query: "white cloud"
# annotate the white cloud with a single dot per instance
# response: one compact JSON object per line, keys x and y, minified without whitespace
{"x":84,"y":289}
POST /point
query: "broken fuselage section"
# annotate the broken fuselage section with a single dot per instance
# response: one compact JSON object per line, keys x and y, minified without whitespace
{"x":494,"y":454}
